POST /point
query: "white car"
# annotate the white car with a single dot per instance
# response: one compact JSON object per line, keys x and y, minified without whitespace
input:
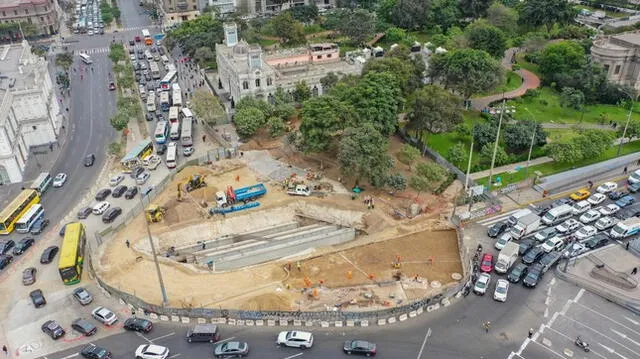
{"x":568,"y":226}
{"x":152,"y":351}
{"x":104,"y":316}
{"x":142,"y":178}
{"x":551,"y":244}
{"x":151,"y":162}
{"x":115,"y":180}
{"x":574,"y":250}
{"x":586,"y":232}
{"x":581,"y":207}
{"x":59,"y":180}
{"x":597,"y":198}
{"x":482,"y":283}
{"x":607,"y":187}
{"x":132,"y":57}
{"x":503,"y":240}
{"x":590,"y":216}
{"x":100,"y":208}
{"x":502,"y":289}
{"x":609,"y":209}
{"x":295,"y":339}
{"x":605,"y":223}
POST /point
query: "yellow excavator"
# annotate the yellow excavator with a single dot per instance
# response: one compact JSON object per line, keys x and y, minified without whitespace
{"x":191,"y":183}
{"x":154,"y":213}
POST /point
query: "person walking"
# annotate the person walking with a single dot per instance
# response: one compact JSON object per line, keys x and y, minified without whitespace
{"x":530,"y":333}
{"x":487,"y":326}
{"x":127,"y":243}
{"x":624,"y":171}
{"x":5,"y":350}
{"x":634,"y":271}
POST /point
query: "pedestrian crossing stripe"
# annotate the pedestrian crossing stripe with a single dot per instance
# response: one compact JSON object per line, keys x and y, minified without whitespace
{"x":490,"y":221}
{"x":96,"y":50}
{"x":136,"y":28}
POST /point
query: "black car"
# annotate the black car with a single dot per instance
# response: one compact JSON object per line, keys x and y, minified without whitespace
{"x":360,"y":347}
{"x":517,"y":273}
{"x":39,"y":226}
{"x":53,"y":329}
{"x":119,"y":191}
{"x":84,"y":327}
{"x":138,"y":324}
{"x":550,"y":259}
{"x":149,"y":116}
{"x":37,"y":298}
{"x":525,"y":245}
{"x":534,"y":276}
{"x":23,"y":245}
{"x":132,"y":43}
{"x":111,"y":214}
{"x":89,"y":160}
{"x":5,"y":260}
{"x":131,"y":192}
{"x":6,"y":245}
{"x":161,"y":149}
{"x":617,"y":195}
{"x":84,"y":212}
{"x":95,"y":352}
{"x":136,"y":172}
{"x":102,"y":194}
{"x":532,"y":255}
{"x":597,"y":241}
{"x":497,"y":229}
{"x":62,"y":230}
{"x":48,"y":254}
{"x":560,"y":202}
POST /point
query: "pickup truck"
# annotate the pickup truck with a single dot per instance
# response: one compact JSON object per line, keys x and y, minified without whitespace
{"x":299,"y":190}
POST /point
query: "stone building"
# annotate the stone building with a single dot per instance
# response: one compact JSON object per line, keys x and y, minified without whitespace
{"x":29,"y":112}
{"x":177,"y":11}
{"x":620,"y":56}
{"x":42,"y":13}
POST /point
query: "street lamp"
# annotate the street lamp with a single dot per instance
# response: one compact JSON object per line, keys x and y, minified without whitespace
{"x":626,"y":125}
{"x":165,"y":299}
{"x":533,"y":139}
{"x":495,"y":145}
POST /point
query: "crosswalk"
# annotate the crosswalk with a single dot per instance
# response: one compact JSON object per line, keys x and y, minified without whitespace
{"x":151,"y":28}
{"x":95,"y":50}
{"x":488,"y":222}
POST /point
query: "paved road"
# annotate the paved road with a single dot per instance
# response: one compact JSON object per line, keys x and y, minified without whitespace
{"x":131,"y":14}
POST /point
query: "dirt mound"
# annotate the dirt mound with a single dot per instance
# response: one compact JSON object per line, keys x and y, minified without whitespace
{"x":268,"y":301}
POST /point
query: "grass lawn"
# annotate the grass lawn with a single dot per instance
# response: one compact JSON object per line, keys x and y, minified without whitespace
{"x":526,"y":65}
{"x":512,"y":82}
{"x":267,"y":42}
{"x":560,"y":134}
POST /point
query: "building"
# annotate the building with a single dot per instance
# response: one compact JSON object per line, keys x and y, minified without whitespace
{"x":619,"y":55}
{"x":275,"y":6}
{"x":42,"y":13}
{"x":29,"y":112}
{"x":177,"y":11}
{"x":244,"y":70}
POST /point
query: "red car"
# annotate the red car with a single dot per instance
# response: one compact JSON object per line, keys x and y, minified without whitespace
{"x":487,"y":263}
{"x":137,"y":38}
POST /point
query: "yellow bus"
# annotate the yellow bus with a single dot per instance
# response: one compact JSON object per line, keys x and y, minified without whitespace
{"x":134,"y":158}
{"x":16,"y":209}
{"x":72,"y":253}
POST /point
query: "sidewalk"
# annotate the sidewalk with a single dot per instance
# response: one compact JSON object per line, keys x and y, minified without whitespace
{"x":511,"y":167}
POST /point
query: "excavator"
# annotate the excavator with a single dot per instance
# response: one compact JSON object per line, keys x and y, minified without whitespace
{"x":191,"y":183}
{"x":154,"y":213}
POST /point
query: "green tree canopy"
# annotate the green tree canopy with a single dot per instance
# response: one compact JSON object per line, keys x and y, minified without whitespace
{"x":486,"y":154}
{"x":483,"y":36}
{"x":248,"y":121}
{"x":571,"y":98}
{"x":435,"y":110}
{"x":502,"y":17}
{"x":537,"y":13}
{"x":457,"y":154}
{"x":409,"y":154}
{"x":410,"y":14}
{"x":363,"y":154}
{"x":304,"y":13}
{"x":484,"y":133}
{"x":444,"y":13}
{"x":357,"y":24}
{"x":400,"y":68}
{"x":64,"y":60}
{"x":288,"y":29}
{"x":302,"y":92}
{"x":517,"y":137}
{"x":475,"y":8}
{"x":203,"y":31}
{"x":561,"y":57}
{"x":322,"y":118}
{"x":207,"y":107}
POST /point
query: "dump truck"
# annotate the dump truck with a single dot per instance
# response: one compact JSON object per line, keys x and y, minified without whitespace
{"x":507,"y":257}
{"x":299,"y":190}
{"x":244,"y":194}
{"x":154,"y":213}
{"x":525,"y":226}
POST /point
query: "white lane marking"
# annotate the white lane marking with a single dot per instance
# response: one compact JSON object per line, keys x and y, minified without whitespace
{"x":612,"y":351}
{"x":579,"y":295}
{"x":632,"y":321}
{"x":162,"y":337}
{"x":293,"y":356}
{"x":175,"y":355}
{"x":424,"y":342}
{"x":608,"y":318}
{"x":604,"y":335}
{"x":549,"y":349}
{"x":572,"y":339}
{"x":71,"y":356}
{"x":625,"y":337}
{"x":224,"y":340}
{"x":143,"y":337}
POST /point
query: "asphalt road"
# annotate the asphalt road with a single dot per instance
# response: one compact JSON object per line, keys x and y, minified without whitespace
{"x":131,"y":14}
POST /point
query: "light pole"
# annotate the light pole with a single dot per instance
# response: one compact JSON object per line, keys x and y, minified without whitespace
{"x":165,"y":299}
{"x":533,"y":139}
{"x":495,"y":146}
{"x":626,"y":125}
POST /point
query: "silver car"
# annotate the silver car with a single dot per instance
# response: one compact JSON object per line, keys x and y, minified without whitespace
{"x":82,"y":295}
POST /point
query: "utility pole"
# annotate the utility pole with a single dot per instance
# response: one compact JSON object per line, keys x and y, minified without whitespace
{"x":626,"y":125}
{"x":466,"y":182}
{"x":165,"y":299}
{"x":495,"y":145}
{"x":533,"y":139}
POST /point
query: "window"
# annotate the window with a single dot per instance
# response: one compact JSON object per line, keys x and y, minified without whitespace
{"x":245,"y":85}
{"x":34,"y":128}
{"x":26,"y":11}
{"x":29,"y":20}
{"x":269,"y":81}
{"x":606,"y":68}
{"x":617,"y":70}
{"x":195,"y":7}
{"x":257,"y":82}
{"x":318,"y":57}
{"x":4,"y":13}
{"x":15,"y":12}
{"x":46,"y":8}
{"x":329,"y":55}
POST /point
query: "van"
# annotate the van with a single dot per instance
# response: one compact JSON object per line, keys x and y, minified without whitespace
{"x":634,"y":178}
{"x":203,"y":333}
{"x":143,"y":92}
{"x":165,"y":59}
{"x":513,"y":219}
{"x":148,"y":55}
{"x":558,"y":214}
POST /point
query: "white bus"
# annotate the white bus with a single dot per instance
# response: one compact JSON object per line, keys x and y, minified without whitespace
{"x":151,"y":102}
{"x":186,"y":139}
{"x":165,"y":83}
{"x":155,"y":70}
{"x":147,"y":37}
{"x":41,"y":183}
{"x":172,"y":155}
{"x":164,"y":101}
{"x":177,"y":97}
{"x":186,"y":113}
{"x":173,"y":114}
{"x":161,"y":133}
{"x":86,"y":59}
{"x":33,"y":215}
{"x":174,"y":131}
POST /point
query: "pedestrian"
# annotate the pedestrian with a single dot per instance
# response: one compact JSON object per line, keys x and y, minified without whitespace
{"x":241,"y":154}
{"x":5,"y":350}
{"x":127,"y":243}
{"x":634,"y":271}
{"x":624,"y":171}
{"x":626,"y":246}
{"x":67,"y":109}
{"x":204,"y":138}
{"x":298,"y":265}
{"x":204,"y":245}
{"x":373,"y":204}
{"x":530,"y":333}
{"x":487,"y":326}
{"x":210,"y":265}
{"x":133,"y":312}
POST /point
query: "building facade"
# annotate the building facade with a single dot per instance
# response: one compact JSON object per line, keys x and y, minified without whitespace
{"x":41,"y":13}
{"x":177,"y":11}
{"x":620,"y":57}
{"x":29,"y":111}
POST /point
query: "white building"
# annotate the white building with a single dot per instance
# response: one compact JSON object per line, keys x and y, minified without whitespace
{"x":29,"y":110}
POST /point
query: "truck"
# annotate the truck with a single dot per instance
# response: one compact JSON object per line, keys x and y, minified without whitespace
{"x":299,"y":190}
{"x":515,"y":217}
{"x":244,"y":194}
{"x":626,"y":228}
{"x":525,"y":226}
{"x":507,"y":257}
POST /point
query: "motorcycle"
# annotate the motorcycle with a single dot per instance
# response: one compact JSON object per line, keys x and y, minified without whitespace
{"x":582,"y":344}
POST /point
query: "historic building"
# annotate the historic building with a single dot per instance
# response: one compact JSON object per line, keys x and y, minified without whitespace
{"x":619,"y":55}
{"x":41,"y":13}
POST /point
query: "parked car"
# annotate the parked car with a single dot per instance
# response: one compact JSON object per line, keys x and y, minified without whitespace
{"x":560,"y":202}
{"x":585,"y":232}
{"x":138,"y":324}
{"x":111,"y":214}
{"x":131,"y":192}
{"x":23,"y":245}
{"x":39,"y":226}
{"x":533,"y":276}
{"x":625,"y":201}
{"x":95,"y":352}
{"x":82,"y":296}
{"x":568,"y":226}
{"x":59,"y":180}
{"x":482,"y":283}
{"x":359,"y":347}
{"x":84,"y":212}
{"x":152,"y":351}
{"x":497,"y":228}
{"x":615,"y":195}
{"x":119,"y":191}
{"x":609,"y":209}
{"x":37,"y":298}
{"x":231,"y":350}
{"x":6,"y":245}
{"x":525,"y":245}
{"x":161,"y":149}
{"x":607,"y":187}
{"x":48,"y":254}
{"x":597,"y":241}
{"x":533,"y":255}
{"x":517,"y":272}
{"x":100,"y":208}
{"x":5,"y":260}
{"x":89,"y":160}
{"x":552,"y":244}
{"x":188,"y":151}
{"x":146,"y":190}
{"x":545,"y":234}
{"x":142,"y":178}
{"x":84,"y":327}
{"x":501,"y":291}
{"x":102,"y":194}
{"x":53,"y":329}
{"x":634,"y":187}
{"x":503,"y":240}
{"x":29,"y":276}
{"x":574,"y":250}
{"x":104,"y":316}
{"x":486,"y":265}
{"x":580,"y":195}
{"x":295,"y":339}
{"x":581,"y":207}
{"x":63,"y":229}
{"x":605,"y":223}
{"x":115,"y":180}
{"x":590,"y":216}
{"x":136,"y":172}
{"x":597,"y":198}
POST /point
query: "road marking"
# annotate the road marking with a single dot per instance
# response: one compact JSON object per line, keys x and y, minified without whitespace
{"x":571,"y":340}
{"x":175,"y":355}
{"x":612,"y":351}
{"x":293,"y":356}
{"x":224,"y":340}
{"x":604,"y":335}
{"x":424,"y":342}
{"x":625,"y":337}
{"x":632,"y":321}
{"x":547,"y":348}
{"x":579,"y":295}
{"x":608,"y":318}
{"x":71,"y":356}
{"x":162,"y":337}
{"x":143,"y":337}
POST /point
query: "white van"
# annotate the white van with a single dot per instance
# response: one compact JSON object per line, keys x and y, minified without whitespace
{"x":148,"y":55}
{"x":513,"y":219}
{"x":143,"y":92}
{"x":165,"y":59}
{"x":581,"y":207}
{"x":558,"y":214}
{"x":634,"y":178}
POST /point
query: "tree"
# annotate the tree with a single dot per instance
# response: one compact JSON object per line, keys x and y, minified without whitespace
{"x":428,"y":176}
{"x":502,"y":17}
{"x":547,"y":12}
{"x":302,"y":92}
{"x":457,"y":154}
{"x":204,"y":55}
{"x":420,"y":184}
{"x":276,"y":126}
{"x":560,"y":58}
{"x":572,"y":98}
{"x":395,"y":34}
{"x":322,"y":119}
{"x":328,"y":81}
{"x":444,"y":13}
{"x":400,"y":68}
{"x":64,"y":60}
{"x":486,"y":154}
{"x":435,"y":110}
{"x":248,"y":121}
{"x":266,"y":108}
{"x":484,"y":133}
{"x":564,"y":152}
{"x":203,"y":31}
{"x":114,"y":149}
{"x":409,"y":155}
{"x":593,"y":143}
{"x":288,"y":29}
{"x":363,"y":154}
{"x":397,"y":182}
{"x":358,"y":24}
{"x":475,"y":8}
{"x":119,"y":121}
{"x":483,"y":36}
{"x":633,"y":130}
{"x":410,"y":14}
{"x":466,"y":71}
{"x":517,"y":137}
{"x":304,"y":13}
{"x":207,"y":107}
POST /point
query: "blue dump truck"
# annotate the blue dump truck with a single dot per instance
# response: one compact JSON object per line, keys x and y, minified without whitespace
{"x":233,"y":200}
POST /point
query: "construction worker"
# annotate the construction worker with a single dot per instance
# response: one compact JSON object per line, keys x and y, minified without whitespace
{"x":127,"y":243}
{"x":487,"y":326}
{"x":298,"y":265}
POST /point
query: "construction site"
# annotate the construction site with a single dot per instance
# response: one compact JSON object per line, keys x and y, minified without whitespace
{"x":258,"y":234}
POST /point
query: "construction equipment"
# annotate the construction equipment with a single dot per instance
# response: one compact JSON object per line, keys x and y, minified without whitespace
{"x":244,"y":194}
{"x":154,"y":213}
{"x":191,"y":183}
{"x":299,"y":190}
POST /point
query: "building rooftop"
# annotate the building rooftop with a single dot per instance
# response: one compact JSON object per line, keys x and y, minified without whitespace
{"x":7,"y":4}
{"x":16,"y":67}
{"x":630,"y":37}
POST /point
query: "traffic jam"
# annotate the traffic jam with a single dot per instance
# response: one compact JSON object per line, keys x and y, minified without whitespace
{"x":531,"y":241}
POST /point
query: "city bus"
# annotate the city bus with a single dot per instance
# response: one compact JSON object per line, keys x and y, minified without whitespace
{"x":164,"y":101}
{"x":173,"y":114}
{"x":186,"y":139}
{"x":172,"y":155}
{"x":134,"y":158}
{"x":41,"y":183}
{"x":162,"y":132}
{"x":155,"y":70}
{"x":174,"y":131}
{"x":16,"y":209}
{"x":165,"y":83}
{"x":33,"y":215}
{"x":177,"y":95}
{"x":85,"y":58}
{"x":186,"y":113}
{"x":72,"y":253}
{"x":151,"y":102}
{"x":147,"y":37}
